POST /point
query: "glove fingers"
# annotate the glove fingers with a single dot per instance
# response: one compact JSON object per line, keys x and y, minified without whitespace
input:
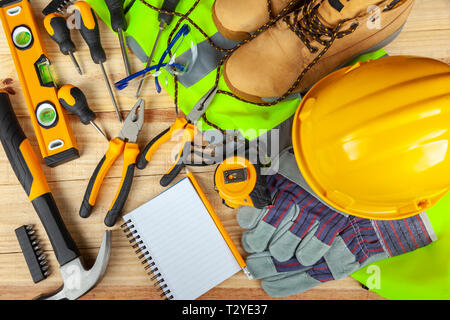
{"x":343,"y":262}
{"x":288,"y":285}
{"x":261,"y":265}
{"x":331,"y":223}
{"x":300,"y":281}
{"x":309,"y":252}
{"x":257,"y":239}
{"x":248,"y":217}
{"x":337,"y":263}
{"x":285,"y":246}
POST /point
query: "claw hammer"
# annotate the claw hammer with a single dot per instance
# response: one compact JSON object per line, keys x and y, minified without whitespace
{"x":77,"y":279}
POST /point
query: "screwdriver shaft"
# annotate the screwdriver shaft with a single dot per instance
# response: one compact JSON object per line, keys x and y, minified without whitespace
{"x":150,"y":58}
{"x":99,"y":130}
{"x":75,"y":62}
{"x":123,"y":48}
{"x":113,"y":99}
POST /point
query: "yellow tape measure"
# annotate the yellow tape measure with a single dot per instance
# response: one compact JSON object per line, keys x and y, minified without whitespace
{"x":239,"y":183}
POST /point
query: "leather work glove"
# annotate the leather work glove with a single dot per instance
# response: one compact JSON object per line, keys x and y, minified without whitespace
{"x":297,"y":224}
{"x":300,"y":242}
{"x":360,"y":243}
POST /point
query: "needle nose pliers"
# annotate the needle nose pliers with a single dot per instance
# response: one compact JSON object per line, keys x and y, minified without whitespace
{"x":125,"y":143}
{"x":188,"y":128}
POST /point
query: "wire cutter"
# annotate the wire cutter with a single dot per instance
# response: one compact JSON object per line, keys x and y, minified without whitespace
{"x":189,"y":131}
{"x":125,"y":143}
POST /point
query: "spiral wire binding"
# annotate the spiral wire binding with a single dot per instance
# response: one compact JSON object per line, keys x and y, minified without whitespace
{"x":146,"y":259}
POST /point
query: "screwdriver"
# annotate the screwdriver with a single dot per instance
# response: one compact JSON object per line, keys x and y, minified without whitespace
{"x":90,"y":32}
{"x":74,"y":100}
{"x":118,"y":24}
{"x":164,"y":19}
{"x":57,"y":29}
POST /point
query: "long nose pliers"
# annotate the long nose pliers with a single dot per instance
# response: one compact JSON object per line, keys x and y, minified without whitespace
{"x":188,"y":128}
{"x":125,"y":143}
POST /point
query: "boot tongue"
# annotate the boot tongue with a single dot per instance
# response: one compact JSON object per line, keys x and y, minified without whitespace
{"x":332,"y":11}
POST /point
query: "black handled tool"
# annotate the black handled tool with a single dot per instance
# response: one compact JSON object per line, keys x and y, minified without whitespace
{"x":74,"y":100}
{"x":56,"y":27}
{"x":90,"y":32}
{"x":168,"y":5}
{"x":29,"y":172}
{"x":27,"y":168}
{"x":164,"y":20}
{"x":125,"y":143}
{"x":187,"y":127}
{"x":118,"y":24}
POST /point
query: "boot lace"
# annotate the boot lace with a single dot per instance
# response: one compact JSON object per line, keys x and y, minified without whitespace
{"x":307,"y":26}
{"x":305,"y":23}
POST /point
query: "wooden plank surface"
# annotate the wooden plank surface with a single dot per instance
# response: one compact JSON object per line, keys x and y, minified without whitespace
{"x":427,"y":33}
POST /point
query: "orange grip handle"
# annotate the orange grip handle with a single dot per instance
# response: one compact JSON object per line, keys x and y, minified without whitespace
{"x":86,"y":14}
{"x":39,"y":185}
{"x":163,"y":137}
{"x":20,"y":154}
{"x":129,"y":161}
{"x":115,"y":148}
{"x":188,"y":136}
{"x":48,"y":22}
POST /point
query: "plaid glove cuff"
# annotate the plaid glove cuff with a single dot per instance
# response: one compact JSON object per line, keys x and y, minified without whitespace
{"x":401,"y":236}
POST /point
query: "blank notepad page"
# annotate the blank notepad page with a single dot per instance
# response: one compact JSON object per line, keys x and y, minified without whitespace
{"x":185,"y":244}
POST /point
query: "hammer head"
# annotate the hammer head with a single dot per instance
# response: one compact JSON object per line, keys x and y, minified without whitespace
{"x":77,"y":279}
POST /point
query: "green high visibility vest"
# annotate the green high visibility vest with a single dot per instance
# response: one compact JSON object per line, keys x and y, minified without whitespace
{"x":226,"y":112}
{"x":421,"y":274}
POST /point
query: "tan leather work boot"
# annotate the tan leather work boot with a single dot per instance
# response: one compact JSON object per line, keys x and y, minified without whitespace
{"x":309,"y":43}
{"x":236,"y":19}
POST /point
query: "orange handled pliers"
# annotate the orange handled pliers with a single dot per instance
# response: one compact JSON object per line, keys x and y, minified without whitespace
{"x":125,"y":143}
{"x":187,"y":126}
{"x":189,"y":131}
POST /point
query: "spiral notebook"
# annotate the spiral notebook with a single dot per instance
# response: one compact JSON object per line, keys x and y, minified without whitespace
{"x":177,"y":239}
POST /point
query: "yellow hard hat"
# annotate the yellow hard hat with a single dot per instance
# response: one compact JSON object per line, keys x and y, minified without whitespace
{"x":372,"y":140}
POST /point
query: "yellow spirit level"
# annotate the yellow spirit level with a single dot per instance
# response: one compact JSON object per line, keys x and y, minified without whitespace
{"x":53,"y":131}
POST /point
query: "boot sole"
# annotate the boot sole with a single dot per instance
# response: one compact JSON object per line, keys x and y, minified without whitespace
{"x":229,"y":34}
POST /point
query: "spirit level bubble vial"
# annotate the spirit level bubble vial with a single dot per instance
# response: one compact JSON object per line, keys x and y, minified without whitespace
{"x":51,"y":125}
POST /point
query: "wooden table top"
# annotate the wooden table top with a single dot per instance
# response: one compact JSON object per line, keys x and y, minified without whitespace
{"x":427,"y":33}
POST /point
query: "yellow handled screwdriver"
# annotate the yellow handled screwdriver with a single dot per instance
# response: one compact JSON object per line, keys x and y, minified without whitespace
{"x":74,"y":100}
{"x":90,"y":32}
{"x":56,"y":27}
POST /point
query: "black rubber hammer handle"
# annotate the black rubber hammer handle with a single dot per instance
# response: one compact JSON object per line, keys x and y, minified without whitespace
{"x":28,"y":170}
